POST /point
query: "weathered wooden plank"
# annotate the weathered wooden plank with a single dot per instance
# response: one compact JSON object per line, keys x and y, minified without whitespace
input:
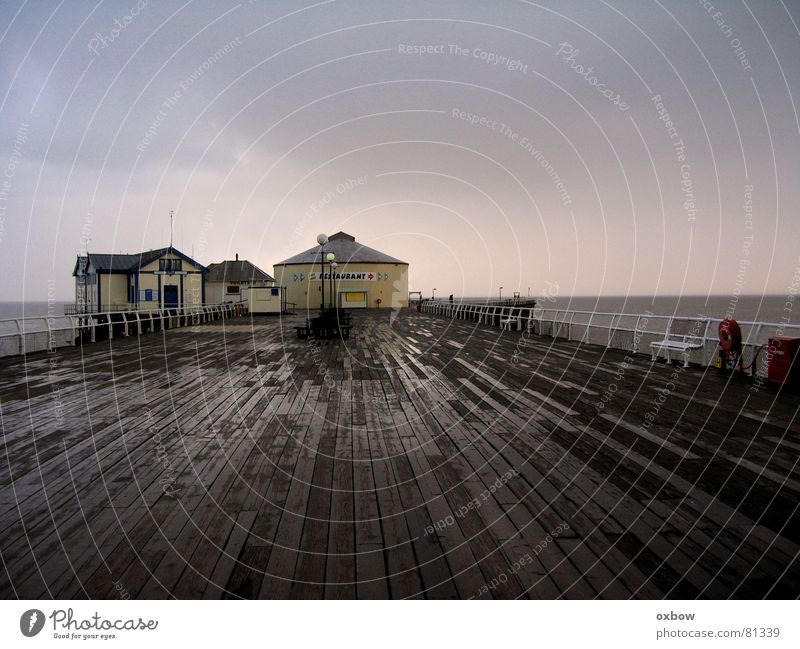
{"x":353,"y":469}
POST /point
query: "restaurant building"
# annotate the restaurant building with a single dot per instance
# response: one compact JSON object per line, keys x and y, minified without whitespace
{"x":364,"y":278}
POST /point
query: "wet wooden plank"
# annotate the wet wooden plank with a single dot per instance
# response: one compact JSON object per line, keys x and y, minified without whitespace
{"x":375,"y":468}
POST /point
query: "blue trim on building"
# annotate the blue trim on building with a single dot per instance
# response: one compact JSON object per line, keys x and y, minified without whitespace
{"x":133,"y":276}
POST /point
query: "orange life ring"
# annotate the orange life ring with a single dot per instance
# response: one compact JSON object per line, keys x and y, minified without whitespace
{"x":730,"y":335}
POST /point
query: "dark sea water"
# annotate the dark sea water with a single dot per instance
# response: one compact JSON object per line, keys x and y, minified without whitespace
{"x":767,"y":308}
{"x":30,"y":309}
{"x":755,"y":308}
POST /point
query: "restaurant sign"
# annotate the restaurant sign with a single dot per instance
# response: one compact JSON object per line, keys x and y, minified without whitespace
{"x":347,"y":276}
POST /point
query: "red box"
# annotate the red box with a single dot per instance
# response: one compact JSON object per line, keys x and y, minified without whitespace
{"x":783,"y":356}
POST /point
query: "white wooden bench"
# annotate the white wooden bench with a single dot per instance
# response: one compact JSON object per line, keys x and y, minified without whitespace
{"x":505,"y":323}
{"x":684,"y":346}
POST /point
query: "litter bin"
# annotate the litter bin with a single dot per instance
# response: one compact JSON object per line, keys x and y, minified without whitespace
{"x":783,"y":364}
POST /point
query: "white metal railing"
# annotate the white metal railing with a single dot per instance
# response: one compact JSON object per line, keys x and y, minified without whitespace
{"x":626,"y":331}
{"x":39,"y":333}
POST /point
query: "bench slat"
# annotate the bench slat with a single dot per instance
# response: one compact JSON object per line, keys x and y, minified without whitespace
{"x":681,"y":346}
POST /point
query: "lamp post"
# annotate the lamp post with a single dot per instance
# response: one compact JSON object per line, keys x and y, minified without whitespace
{"x":334,"y":297}
{"x":330,"y":257}
{"x":501,"y":294}
{"x":322,"y":239}
{"x":433,"y":296}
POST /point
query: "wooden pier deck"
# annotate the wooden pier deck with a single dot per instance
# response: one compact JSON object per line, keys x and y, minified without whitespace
{"x":414,"y":460}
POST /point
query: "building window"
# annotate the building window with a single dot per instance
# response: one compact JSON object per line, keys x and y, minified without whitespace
{"x":232,"y":290}
{"x":275,"y":292}
{"x":170,"y":265}
{"x":148,"y":295}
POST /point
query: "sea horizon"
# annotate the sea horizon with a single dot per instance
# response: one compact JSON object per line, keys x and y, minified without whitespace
{"x":768,"y":308}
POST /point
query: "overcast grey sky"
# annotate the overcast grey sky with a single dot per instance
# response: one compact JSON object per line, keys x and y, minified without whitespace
{"x":608,"y":147}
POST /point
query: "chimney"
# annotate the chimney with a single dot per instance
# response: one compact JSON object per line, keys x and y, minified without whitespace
{"x":237,"y":256}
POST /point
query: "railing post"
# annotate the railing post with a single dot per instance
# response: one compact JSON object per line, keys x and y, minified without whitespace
{"x":755,"y":344}
{"x":49,"y":332}
{"x":758,"y":333}
{"x":610,"y":326}
{"x":21,"y":334}
{"x":706,"y":358}
{"x":72,"y":324}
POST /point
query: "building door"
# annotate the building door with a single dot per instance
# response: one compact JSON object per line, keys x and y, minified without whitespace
{"x":170,"y":297}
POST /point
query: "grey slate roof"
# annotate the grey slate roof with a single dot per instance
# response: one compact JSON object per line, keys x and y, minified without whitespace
{"x":236,"y":271}
{"x":124,"y":262}
{"x":114,"y":262}
{"x":103,"y":262}
{"x":346,"y":249}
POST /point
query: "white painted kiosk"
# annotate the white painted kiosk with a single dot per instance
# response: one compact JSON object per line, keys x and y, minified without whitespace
{"x":265,"y":300}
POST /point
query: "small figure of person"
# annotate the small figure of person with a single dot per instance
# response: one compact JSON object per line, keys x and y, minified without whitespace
{"x":451,"y":298}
